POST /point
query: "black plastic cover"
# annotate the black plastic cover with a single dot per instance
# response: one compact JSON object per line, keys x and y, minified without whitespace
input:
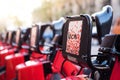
{"x":39,"y":34}
{"x":108,"y":43}
{"x":47,"y":33}
{"x":77,"y":34}
{"x":103,"y":20}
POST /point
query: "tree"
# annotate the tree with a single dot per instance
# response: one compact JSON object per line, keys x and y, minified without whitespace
{"x":54,"y":9}
{"x":43,"y":13}
{"x":2,"y":26}
{"x":17,"y":22}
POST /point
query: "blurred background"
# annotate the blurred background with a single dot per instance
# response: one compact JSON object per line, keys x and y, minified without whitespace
{"x":23,"y":13}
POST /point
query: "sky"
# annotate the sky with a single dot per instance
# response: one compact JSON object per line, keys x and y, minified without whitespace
{"x":20,"y":8}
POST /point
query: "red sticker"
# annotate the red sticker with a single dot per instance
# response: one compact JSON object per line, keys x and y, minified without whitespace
{"x":73,"y":37}
{"x":33,"y":36}
{"x":9,"y":36}
{"x":17,"y":36}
